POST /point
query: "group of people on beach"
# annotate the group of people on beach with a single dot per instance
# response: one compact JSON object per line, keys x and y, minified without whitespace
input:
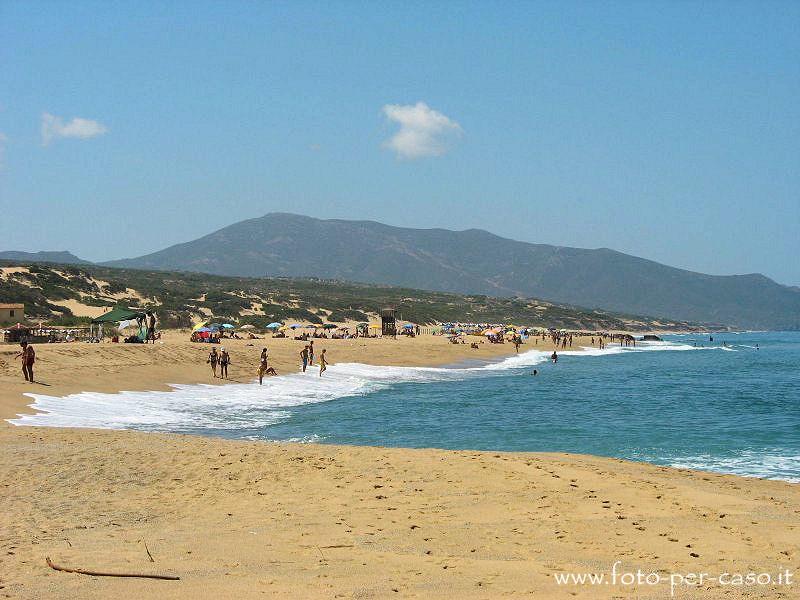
{"x":222,"y":359}
{"x":307,"y":358}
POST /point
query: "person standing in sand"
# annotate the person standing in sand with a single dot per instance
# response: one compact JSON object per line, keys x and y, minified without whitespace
{"x":28,"y":356}
{"x":151,"y":327}
{"x":311,"y":353}
{"x":304,"y":357}
{"x":323,"y":363}
{"x":213,"y":359}
{"x":224,"y":361}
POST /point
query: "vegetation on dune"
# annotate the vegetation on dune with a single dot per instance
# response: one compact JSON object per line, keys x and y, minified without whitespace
{"x":181,"y":298}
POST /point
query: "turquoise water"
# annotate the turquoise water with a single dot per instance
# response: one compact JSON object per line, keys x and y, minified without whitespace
{"x":723,"y":406}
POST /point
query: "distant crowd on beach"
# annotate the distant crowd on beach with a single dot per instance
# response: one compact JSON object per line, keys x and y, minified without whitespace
{"x":219,"y":358}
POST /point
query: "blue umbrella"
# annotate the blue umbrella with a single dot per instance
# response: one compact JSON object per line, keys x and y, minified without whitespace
{"x":408,"y":326}
{"x":227,"y":326}
{"x":203,"y":329}
{"x":295,"y":325}
{"x":274,"y":325}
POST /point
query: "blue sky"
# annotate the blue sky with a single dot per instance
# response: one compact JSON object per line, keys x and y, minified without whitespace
{"x":665,"y":130}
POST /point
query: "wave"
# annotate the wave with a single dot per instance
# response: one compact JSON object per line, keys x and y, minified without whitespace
{"x":768,"y":464}
{"x":199,"y":408}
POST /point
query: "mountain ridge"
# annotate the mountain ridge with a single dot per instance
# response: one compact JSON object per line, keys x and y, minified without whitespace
{"x":50,"y":256}
{"x":475,"y":261}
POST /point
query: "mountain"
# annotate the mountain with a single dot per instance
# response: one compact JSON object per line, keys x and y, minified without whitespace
{"x":55,"y":256}
{"x":478,"y":262}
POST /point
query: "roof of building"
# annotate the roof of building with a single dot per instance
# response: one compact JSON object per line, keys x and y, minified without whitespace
{"x":11,"y":305}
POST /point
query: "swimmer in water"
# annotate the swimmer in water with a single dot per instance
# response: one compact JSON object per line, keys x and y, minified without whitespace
{"x":535,"y":372}
{"x":554,"y":357}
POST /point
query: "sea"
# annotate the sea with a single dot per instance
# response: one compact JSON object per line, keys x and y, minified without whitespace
{"x":728,"y":405}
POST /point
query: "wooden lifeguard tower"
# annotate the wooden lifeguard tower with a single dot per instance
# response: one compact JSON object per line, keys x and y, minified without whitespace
{"x":389,"y":322}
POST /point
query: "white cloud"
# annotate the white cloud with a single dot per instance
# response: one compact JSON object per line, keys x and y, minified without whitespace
{"x":54,"y":127}
{"x":423,"y":131}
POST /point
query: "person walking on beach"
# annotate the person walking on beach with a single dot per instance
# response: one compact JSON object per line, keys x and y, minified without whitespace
{"x":323,"y":364}
{"x":311,"y":353}
{"x":224,"y":361}
{"x":304,"y":357}
{"x":517,"y":342}
{"x":28,"y":356}
{"x":213,"y":359}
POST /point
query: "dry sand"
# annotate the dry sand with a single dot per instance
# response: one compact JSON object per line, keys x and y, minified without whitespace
{"x":249,"y":519}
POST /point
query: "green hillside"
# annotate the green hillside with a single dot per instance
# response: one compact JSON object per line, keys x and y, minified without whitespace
{"x":179,"y":298}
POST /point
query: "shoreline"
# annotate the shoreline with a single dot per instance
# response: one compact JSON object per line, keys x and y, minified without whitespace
{"x":306,"y":520}
{"x":146,"y":367}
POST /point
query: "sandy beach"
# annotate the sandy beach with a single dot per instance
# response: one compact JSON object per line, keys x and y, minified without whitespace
{"x":254,"y":519}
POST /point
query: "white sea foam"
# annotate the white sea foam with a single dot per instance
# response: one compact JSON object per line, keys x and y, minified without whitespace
{"x":249,"y":406}
{"x":767,"y":463}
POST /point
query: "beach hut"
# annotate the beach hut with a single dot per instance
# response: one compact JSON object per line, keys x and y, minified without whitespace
{"x":389,"y":321}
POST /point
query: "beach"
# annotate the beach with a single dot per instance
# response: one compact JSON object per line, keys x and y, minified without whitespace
{"x":259,"y":519}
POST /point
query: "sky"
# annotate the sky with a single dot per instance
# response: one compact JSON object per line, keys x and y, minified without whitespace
{"x":667,"y":130}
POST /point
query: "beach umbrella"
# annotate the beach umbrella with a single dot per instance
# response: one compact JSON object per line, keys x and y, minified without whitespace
{"x":311,"y":326}
{"x":248,"y":326}
{"x":295,"y":325}
{"x":408,"y":326}
{"x":227,"y":326}
{"x":274,"y":325}
{"x":202,"y":330}
{"x":374,"y":326}
{"x":199,"y":325}
{"x":329,"y":326}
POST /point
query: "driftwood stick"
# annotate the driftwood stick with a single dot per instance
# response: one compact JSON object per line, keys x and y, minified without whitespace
{"x":148,"y":553}
{"x":320,"y":553}
{"x":52,"y":565}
